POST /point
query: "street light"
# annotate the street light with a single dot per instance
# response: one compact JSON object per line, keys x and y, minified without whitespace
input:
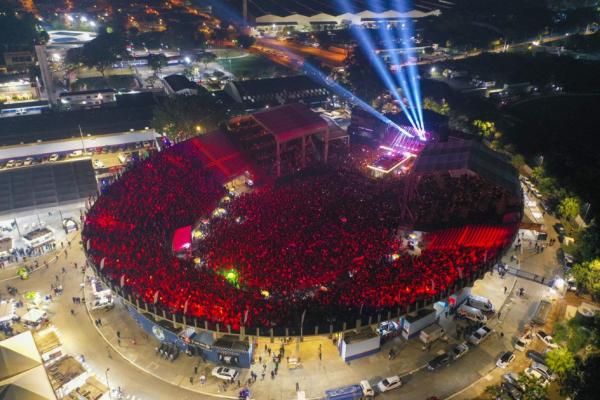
{"x":108,"y":384}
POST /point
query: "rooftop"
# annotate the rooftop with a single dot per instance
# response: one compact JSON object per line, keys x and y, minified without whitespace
{"x":132,"y":111}
{"x":290,"y":121}
{"x":179,"y":82}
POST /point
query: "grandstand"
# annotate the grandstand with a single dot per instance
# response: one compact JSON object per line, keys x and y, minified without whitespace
{"x":315,"y":244}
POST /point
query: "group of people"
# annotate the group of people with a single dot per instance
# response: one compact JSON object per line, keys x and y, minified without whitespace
{"x":316,"y":242}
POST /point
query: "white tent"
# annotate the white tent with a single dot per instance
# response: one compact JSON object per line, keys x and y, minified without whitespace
{"x":33,"y":316}
{"x":7,"y":311}
{"x":30,"y":385}
{"x":18,"y":354}
{"x":22,"y":375}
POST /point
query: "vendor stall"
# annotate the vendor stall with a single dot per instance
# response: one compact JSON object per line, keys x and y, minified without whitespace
{"x":34,"y":318}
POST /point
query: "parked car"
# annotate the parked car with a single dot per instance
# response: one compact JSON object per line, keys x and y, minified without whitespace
{"x":76,"y":153}
{"x":536,"y":374}
{"x":459,"y":350}
{"x":443,"y":360}
{"x":505,"y":359}
{"x":571,"y":284}
{"x":54,"y":157}
{"x":389,"y":383}
{"x":565,"y":259}
{"x":28,"y":161}
{"x":524,"y":341}
{"x":544,"y":369}
{"x":10,"y":164}
{"x":536,"y":356}
{"x":547,"y":339}
{"x":225,"y":373}
{"x":18,"y":163}
{"x":560,"y":229}
{"x":479,"y":335}
{"x":98,"y":164}
{"x":513,"y":379}
{"x":513,"y":391}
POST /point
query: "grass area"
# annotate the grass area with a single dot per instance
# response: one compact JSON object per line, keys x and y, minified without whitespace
{"x":252,"y":67}
{"x":115,"y":82}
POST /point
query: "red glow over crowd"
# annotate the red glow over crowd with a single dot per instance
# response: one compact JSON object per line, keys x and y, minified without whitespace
{"x":317,"y":242}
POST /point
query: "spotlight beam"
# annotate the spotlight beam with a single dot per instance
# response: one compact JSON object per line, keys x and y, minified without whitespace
{"x":412,"y":68}
{"x":369,"y":50}
{"x":317,"y":75}
{"x":400,"y":77}
{"x":314,"y":73}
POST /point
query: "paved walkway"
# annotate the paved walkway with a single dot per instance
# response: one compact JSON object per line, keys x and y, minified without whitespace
{"x":139,"y":349}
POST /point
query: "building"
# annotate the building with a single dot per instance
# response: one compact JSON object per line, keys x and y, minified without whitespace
{"x":273,"y":23}
{"x":87,"y":99}
{"x":179,"y":85}
{"x":258,"y":93}
{"x":18,"y":58}
{"x":17,"y":88}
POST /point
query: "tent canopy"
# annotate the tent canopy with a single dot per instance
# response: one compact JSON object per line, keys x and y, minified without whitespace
{"x":30,"y":385}
{"x":17,"y":355}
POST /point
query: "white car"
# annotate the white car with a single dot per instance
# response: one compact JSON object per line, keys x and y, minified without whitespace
{"x":536,"y":374}
{"x":389,"y":383}
{"x":28,"y":161}
{"x":505,"y":358}
{"x":459,"y":350}
{"x":54,"y":157}
{"x":225,"y":373}
{"x":10,"y":164}
{"x":544,"y":370}
{"x":479,"y":335}
{"x":524,"y":341}
{"x":76,"y":153}
{"x":547,"y":339}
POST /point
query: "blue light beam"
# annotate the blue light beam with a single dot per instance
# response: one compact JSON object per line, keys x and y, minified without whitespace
{"x":369,"y":49}
{"x":399,"y":75}
{"x":412,"y":68}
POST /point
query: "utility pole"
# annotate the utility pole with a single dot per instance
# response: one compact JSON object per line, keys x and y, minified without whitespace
{"x":81,"y":136}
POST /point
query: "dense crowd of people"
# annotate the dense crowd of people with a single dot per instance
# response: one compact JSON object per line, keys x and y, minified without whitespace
{"x":318,"y":242}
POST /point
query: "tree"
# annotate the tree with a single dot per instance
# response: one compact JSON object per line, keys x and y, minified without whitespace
{"x":206,"y":58}
{"x":583,"y":381}
{"x":588,"y":243}
{"x":323,"y":38}
{"x":182,"y":117}
{"x":569,"y":207}
{"x":103,"y":51}
{"x":517,"y":161}
{"x":157,"y":62}
{"x":561,"y":361}
{"x":587,"y":275}
{"x":245,"y":41}
{"x":533,"y":390}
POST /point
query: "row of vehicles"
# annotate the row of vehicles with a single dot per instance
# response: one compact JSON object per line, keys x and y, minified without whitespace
{"x":363,"y":389}
{"x":54,"y":157}
{"x":459,"y":350}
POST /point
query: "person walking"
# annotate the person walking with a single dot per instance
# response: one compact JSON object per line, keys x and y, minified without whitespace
{"x":297,"y":387}
{"x":505,"y":289}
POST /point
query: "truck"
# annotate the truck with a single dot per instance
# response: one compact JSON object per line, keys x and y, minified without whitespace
{"x":363,"y":390}
{"x":480,"y":302}
{"x":431,"y":333}
{"x":472,"y":313}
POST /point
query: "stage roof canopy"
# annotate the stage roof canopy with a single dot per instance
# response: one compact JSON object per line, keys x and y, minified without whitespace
{"x":221,"y":156}
{"x":290,"y":121}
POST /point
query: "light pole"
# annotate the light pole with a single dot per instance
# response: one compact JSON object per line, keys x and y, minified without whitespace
{"x":108,"y":384}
